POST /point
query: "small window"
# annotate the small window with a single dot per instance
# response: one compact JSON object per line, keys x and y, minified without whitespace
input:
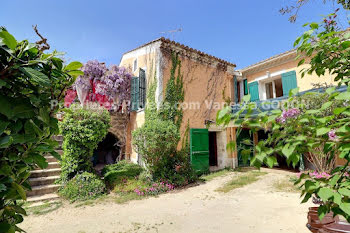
{"x":135,"y":65}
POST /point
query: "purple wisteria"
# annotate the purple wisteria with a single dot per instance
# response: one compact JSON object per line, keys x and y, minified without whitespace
{"x":107,"y":86}
{"x":286,"y":114}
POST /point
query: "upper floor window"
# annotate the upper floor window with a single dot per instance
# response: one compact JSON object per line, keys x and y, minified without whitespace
{"x":135,"y":65}
{"x":138,"y":91}
{"x":240,"y":89}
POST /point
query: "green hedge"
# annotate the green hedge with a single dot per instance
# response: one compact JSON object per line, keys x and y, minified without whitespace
{"x":115,"y":172}
{"x":82,"y":130}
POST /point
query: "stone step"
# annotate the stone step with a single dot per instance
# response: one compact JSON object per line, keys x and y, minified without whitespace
{"x":50,"y":158}
{"x":43,"y":180}
{"x":51,"y":165}
{"x":42,"y":198}
{"x":57,"y":137}
{"x":45,"y":173}
{"x":43,"y":189}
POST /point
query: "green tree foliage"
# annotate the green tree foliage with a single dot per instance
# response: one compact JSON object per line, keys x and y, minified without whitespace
{"x":31,"y":84}
{"x":82,"y":130}
{"x":299,"y":129}
{"x":328,"y":48}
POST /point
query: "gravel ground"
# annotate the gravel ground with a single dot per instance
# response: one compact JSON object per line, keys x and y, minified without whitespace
{"x":252,"y":209}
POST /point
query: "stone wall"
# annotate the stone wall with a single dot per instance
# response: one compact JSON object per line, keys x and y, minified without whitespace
{"x":119,"y":126}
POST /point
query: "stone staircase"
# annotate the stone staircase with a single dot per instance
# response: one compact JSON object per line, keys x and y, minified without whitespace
{"x":43,"y":180}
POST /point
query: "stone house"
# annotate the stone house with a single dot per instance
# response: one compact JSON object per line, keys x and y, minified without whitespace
{"x":207,"y":84}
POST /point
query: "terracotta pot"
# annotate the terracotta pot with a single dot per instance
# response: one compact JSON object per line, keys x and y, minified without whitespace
{"x":315,"y":224}
{"x":337,"y":227}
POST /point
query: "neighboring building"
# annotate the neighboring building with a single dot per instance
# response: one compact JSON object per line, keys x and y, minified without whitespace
{"x":272,"y":79}
{"x":208,"y":83}
{"x":276,"y":76}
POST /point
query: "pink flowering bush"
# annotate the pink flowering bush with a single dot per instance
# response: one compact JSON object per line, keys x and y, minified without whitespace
{"x":84,"y":186}
{"x":155,"y":189}
{"x":141,"y":187}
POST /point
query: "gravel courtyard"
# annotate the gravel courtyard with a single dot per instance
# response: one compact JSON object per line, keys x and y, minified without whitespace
{"x":255,"y":208}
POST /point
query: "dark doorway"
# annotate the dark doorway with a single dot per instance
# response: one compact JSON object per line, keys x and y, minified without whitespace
{"x":281,"y":160}
{"x":107,"y":152}
{"x":213,"y":151}
{"x":244,"y":142}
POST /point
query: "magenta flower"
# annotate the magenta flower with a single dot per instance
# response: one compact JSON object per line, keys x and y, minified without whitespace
{"x":332,"y":136}
{"x":286,"y":114}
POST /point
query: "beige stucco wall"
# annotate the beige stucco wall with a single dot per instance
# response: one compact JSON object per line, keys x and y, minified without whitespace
{"x":146,"y":60}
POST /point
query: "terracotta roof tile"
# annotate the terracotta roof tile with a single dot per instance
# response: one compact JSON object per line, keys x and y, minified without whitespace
{"x":182,"y":46}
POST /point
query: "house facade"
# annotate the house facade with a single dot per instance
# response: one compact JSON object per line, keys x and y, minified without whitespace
{"x":207,"y":82}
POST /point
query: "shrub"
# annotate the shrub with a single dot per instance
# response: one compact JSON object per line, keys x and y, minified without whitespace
{"x":82,"y":187}
{"x":114,"y":173}
{"x":157,"y":142}
{"x":82,"y":130}
{"x":146,"y":176}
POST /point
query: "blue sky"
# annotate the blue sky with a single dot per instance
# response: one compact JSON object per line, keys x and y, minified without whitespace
{"x":240,"y":31}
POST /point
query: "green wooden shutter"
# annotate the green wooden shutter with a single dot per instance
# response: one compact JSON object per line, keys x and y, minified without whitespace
{"x":289,"y":82}
{"x":254,"y":91}
{"x":235,"y":89}
{"x":142,"y":88}
{"x":245,"y":84}
{"x":199,"y":148}
{"x":134,"y":93}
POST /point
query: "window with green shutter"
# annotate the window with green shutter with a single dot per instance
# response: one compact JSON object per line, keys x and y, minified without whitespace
{"x":245,"y":86}
{"x":254,"y":91}
{"x":289,"y":82}
{"x":142,"y":88}
{"x":134,"y":94}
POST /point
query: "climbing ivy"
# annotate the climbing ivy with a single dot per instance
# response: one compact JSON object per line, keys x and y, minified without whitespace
{"x":150,"y":109}
{"x":174,"y":94}
{"x":158,"y":138}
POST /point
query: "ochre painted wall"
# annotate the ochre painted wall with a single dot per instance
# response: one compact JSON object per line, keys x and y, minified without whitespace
{"x":205,"y":87}
{"x":304,"y":84}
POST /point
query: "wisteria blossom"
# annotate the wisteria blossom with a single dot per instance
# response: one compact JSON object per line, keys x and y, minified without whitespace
{"x":107,"y":86}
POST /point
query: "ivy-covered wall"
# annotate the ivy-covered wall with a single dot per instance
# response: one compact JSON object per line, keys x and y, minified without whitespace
{"x":203,"y":85}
